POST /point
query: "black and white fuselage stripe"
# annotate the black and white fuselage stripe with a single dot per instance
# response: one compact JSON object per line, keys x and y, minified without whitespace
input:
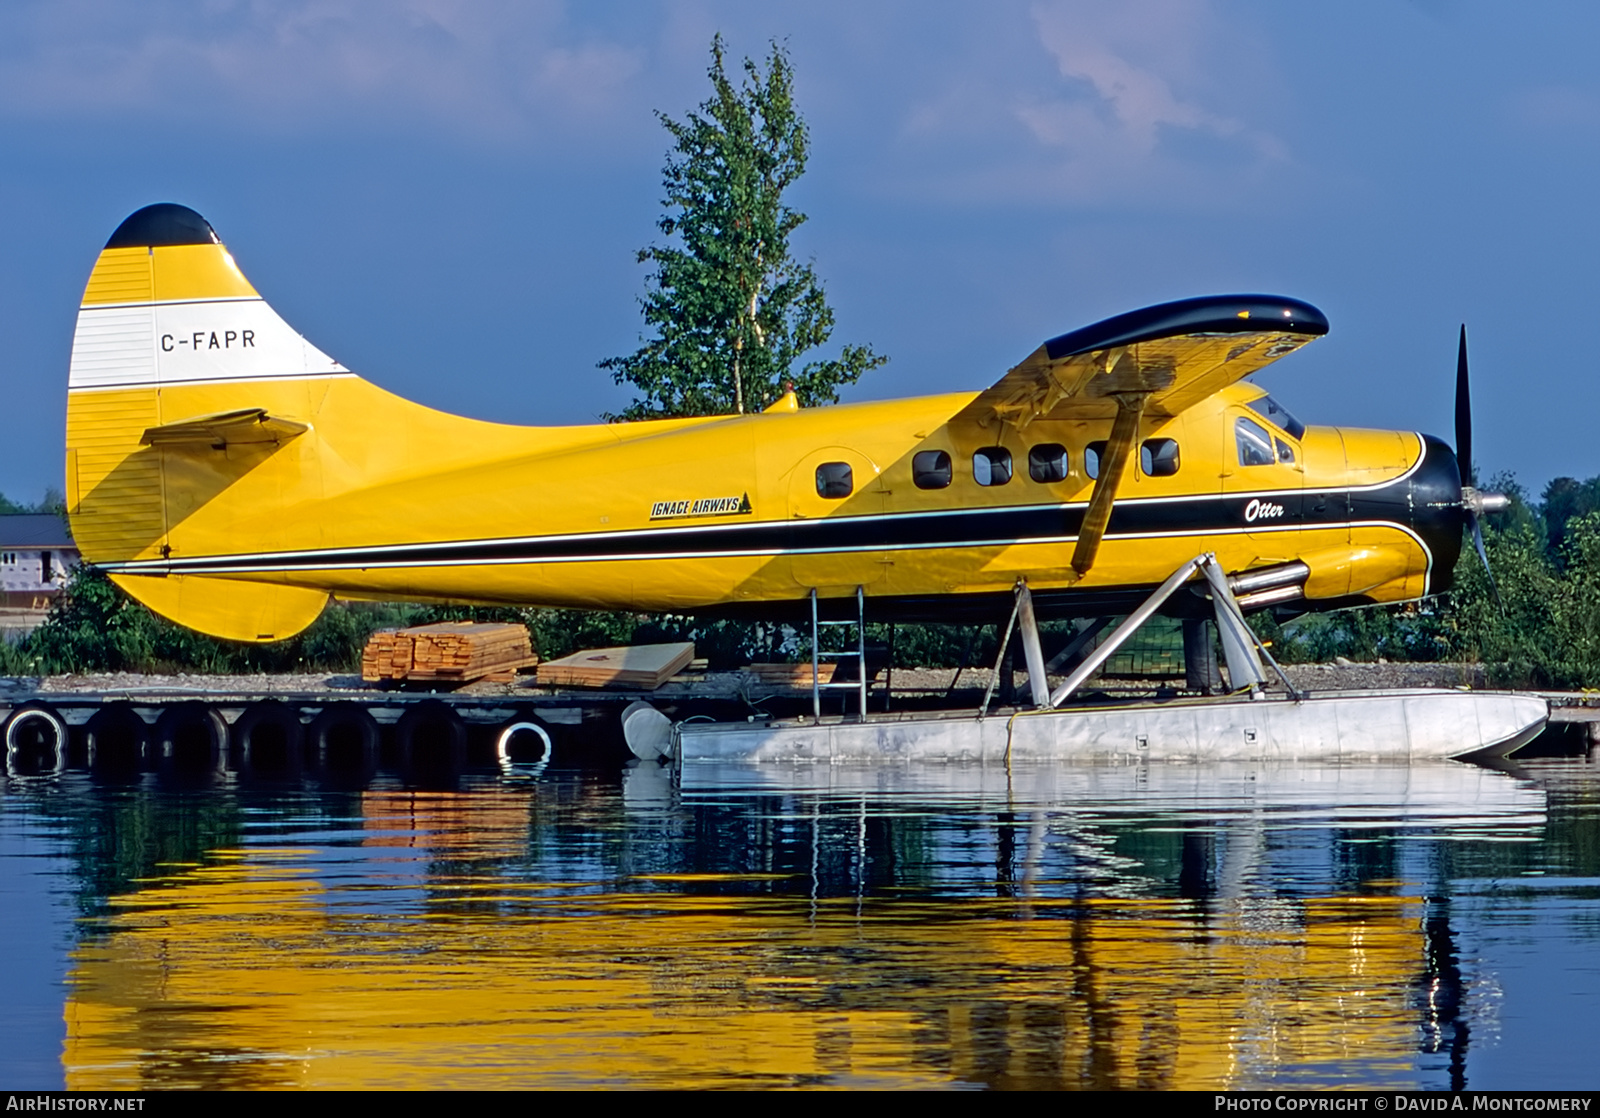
{"x":1387,"y":504}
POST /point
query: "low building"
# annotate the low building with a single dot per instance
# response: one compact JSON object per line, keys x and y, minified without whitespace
{"x":36,"y":555}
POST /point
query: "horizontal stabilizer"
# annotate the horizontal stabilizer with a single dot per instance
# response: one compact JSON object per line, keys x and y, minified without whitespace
{"x":256,"y":612}
{"x":226,"y":428}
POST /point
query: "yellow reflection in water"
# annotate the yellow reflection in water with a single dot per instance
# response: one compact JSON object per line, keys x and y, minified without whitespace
{"x":249,"y":973}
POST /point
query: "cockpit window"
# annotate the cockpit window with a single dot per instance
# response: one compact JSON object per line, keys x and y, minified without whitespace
{"x":1269,"y":409}
{"x":1255,"y":445}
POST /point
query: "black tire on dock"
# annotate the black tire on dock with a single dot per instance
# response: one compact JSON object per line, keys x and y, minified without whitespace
{"x":36,"y":741}
{"x":523,"y":740}
{"x":117,"y":742}
{"x":269,"y":742}
{"x":431,"y":741}
{"x":191,"y":741}
{"x":342,"y":743}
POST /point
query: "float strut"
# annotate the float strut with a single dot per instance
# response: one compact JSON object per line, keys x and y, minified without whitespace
{"x":1138,"y":617}
{"x":1028,"y":630}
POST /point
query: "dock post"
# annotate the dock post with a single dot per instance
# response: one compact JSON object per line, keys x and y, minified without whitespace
{"x":1200,"y":669}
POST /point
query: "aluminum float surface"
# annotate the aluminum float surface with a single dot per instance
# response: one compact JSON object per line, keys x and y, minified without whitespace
{"x":1458,"y":797}
{"x":1394,"y":725}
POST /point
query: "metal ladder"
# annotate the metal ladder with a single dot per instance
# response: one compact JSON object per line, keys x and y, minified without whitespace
{"x":859,"y":653}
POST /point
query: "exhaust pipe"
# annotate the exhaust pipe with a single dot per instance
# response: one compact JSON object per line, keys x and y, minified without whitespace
{"x":1262,"y":598}
{"x":1269,"y":578}
{"x":1269,"y":585}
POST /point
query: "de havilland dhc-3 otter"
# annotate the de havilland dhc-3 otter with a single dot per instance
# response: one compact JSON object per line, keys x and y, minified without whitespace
{"x":234,"y":478}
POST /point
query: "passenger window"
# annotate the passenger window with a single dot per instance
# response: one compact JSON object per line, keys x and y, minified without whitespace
{"x":1255,"y":445}
{"x":1091,"y":458}
{"x":930,"y":469}
{"x":1159,"y":457}
{"x":1285,"y":452}
{"x":1047,"y":462}
{"x":992,"y":465}
{"x":834,"y":480}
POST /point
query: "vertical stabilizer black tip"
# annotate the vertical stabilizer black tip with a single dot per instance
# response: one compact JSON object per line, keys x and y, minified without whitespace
{"x":165,"y":223}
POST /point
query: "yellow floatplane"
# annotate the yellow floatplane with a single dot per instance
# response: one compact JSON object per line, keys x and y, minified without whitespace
{"x":235,"y":478}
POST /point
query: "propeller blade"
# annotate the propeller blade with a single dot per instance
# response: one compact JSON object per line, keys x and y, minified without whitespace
{"x":1483,"y":556}
{"x":1463,"y":414}
{"x":1473,"y":503}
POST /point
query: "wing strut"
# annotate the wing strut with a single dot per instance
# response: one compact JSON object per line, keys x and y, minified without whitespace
{"x":1124,"y":434}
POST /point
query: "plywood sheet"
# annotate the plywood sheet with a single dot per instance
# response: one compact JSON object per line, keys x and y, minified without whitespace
{"x":642,"y":667}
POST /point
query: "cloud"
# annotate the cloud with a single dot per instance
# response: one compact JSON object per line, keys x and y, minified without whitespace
{"x":1117,"y":120}
{"x":1139,"y":102}
{"x":1110,"y":103}
{"x":1143,"y":101}
{"x":484,"y":68}
{"x":1554,"y":109}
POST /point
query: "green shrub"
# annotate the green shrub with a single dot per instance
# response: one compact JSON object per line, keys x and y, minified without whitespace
{"x":96,"y":627}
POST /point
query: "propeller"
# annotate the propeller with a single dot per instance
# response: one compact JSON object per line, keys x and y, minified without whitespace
{"x":1473,"y":502}
{"x":1464,"y":413}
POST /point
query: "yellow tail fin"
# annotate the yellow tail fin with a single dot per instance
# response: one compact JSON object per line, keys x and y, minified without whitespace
{"x":231,"y":476}
{"x":184,"y":383}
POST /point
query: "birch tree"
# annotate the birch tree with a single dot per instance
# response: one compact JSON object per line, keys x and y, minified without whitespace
{"x":735,"y":315}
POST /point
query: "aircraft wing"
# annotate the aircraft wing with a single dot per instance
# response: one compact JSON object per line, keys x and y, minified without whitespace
{"x":1171,"y":356}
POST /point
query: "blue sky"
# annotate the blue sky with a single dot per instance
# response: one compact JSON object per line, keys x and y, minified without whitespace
{"x":448,"y":197}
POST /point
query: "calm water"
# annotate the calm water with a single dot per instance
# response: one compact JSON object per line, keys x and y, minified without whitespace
{"x":1177,"y":926}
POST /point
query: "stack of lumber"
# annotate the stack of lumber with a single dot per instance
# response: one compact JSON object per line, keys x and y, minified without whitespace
{"x":789,"y":675}
{"x":452,"y":651}
{"x":640,"y":667}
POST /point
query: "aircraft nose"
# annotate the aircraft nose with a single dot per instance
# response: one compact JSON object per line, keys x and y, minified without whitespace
{"x":1438,"y":511}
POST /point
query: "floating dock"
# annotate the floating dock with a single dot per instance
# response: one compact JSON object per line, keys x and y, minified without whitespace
{"x":201,"y":732}
{"x":221,"y":729}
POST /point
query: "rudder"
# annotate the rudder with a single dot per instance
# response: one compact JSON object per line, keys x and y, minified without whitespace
{"x":170,"y":335}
